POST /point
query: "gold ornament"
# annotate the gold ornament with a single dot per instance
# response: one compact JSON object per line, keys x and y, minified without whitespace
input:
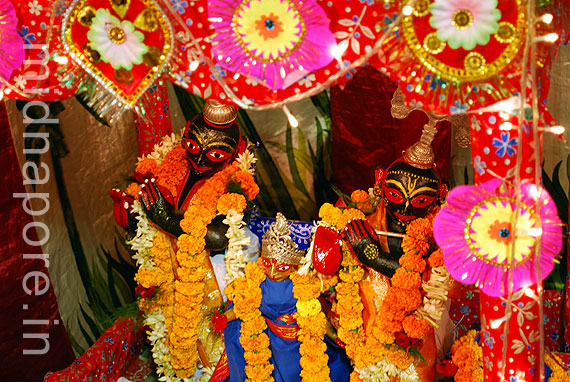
{"x":85,"y":15}
{"x":462,"y":19}
{"x":146,"y":20}
{"x":218,"y":113}
{"x":116,"y":35}
{"x":120,"y":6}
{"x":474,"y":62}
{"x":92,"y":55}
{"x":278,"y":244}
{"x":434,"y":45}
{"x":421,"y":8}
{"x":152,"y":57}
{"x":123,"y":76}
{"x":506,"y":32}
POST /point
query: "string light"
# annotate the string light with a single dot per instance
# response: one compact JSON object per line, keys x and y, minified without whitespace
{"x":407,"y":10}
{"x":62,"y":60}
{"x":551,"y":37}
{"x":338,"y":50}
{"x":505,"y":126}
{"x":558,"y":130}
{"x":236,"y":76}
{"x":292,"y":120}
{"x":547,"y":18}
{"x":193,"y":65}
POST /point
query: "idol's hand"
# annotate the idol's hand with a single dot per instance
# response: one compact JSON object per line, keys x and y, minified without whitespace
{"x":364,"y":243}
{"x":158,"y":205}
{"x":122,"y":204}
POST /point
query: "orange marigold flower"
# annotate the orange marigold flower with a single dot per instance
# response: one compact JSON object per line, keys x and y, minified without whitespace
{"x":351,"y":214}
{"x":413,"y":262}
{"x":331,"y":215}
{"x":415,"y":327}
{"x":133,"y":190}
{"x":436,"y":259}
{"x":399,"y":358}
{"x":146,"y":168}
{"x":231,"y":201}
{"x":406,"y":280}
{"x":358,"y":196}
{"x":247,"y":183}
{"x":172,"y":171}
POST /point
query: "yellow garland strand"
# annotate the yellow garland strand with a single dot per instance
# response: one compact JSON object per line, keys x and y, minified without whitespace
{"x":247,"y":296}
{"x":312,"y":328}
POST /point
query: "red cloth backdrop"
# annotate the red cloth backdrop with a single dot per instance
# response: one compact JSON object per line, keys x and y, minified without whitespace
{"x":365,"y":136}
{"x":19,"y":308}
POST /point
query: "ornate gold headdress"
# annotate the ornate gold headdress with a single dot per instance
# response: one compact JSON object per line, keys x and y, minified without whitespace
{"x":420,"y":154}
{"x":218,"y":113}
{"x":279,"y":245}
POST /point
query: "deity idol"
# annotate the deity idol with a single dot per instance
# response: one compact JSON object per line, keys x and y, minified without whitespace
{"x":408,"y":188}
{"x":384,"y":302}
{"x":250,"y":354}
{"x":188,"y":187}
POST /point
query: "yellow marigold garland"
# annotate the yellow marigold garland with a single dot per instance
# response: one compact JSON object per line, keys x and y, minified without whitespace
{"x":312,"y":328}
{"x":246,"y":292}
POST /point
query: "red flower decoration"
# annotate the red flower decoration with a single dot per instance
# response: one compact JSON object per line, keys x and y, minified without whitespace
{"x":219,"y":321}
{"x":447,"y":368}
{"x":145,"y":292}
{"x":403,"y":340}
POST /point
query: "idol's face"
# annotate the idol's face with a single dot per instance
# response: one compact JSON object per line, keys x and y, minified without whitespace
{"x":277,"y":270}
{"x":210,"y":147}
{"x":409,"y":192}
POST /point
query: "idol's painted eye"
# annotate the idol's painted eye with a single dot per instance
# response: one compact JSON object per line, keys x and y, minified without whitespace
{"x":192,"y":146}
{"x":217,"y":155}
{"x":266,"y":262}
{"x":283,"y":267}
{"x":394,"y":195}
{"x":422,"y":201}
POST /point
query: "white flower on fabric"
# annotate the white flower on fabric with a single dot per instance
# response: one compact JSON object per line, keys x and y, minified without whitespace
{"x":116,"y":41}
{"x":35,"y":8}
{"x":465,"y":23}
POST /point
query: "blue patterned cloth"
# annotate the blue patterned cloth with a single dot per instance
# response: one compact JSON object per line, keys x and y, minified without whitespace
{"x":300,"y":231}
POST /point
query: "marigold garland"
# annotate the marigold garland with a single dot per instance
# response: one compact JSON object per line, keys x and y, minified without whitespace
{"x":246,"y":295}
{"x":467,"y":355}
{"x":402,"y":298}
{"x":175,"y":312}
{"x":312,"y":328}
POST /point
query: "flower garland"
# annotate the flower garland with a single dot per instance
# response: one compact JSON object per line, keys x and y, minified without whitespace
{"x":467,"y":355}
{"x":382,"y":346}
{"x":175,"y":312}
{"x":192,"y":262}
{"x":312,"y":327}
{"x":246,"y":292}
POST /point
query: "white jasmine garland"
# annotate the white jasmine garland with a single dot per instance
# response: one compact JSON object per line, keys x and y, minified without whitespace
{"x":235,"y":258}
{"x":436,"y":295}
{"x":143,"y":241}
{"x":384,"y":371}
{"x":162,"y":148}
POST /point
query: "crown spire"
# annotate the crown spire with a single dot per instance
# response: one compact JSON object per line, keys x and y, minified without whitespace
{"x":279,"y":245}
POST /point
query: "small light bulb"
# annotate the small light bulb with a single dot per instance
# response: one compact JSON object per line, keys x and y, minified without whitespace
{"x":292,"y":120}
{"x":547,"y":18}
{"x":557,"y":129}
{"x":505,"y":126}
{"x":551,"y":37}
{"x":236,"y":76}
{"x":496,"y":323}
{"x":193,"y":65}
{"x":407,"y":10}
{"x":338,"y":50}
{"x":62,"y":60}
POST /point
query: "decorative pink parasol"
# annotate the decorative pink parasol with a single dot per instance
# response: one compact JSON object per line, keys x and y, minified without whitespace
{"x":11,"y":44}
{"x":476,"y":232}
{"x":276,"y":41}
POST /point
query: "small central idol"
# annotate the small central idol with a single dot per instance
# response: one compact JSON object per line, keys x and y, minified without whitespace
{"x":279,"y":258}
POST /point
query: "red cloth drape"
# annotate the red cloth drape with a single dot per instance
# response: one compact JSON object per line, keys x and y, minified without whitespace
{"x":365,"y":136}
{"x":19,"y":307}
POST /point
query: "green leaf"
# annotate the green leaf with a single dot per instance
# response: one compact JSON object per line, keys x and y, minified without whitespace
{"x":293,"y":163}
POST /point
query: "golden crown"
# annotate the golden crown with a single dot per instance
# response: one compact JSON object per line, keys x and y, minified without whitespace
{"x":218,"y":113}
{"x":279,"y":245}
